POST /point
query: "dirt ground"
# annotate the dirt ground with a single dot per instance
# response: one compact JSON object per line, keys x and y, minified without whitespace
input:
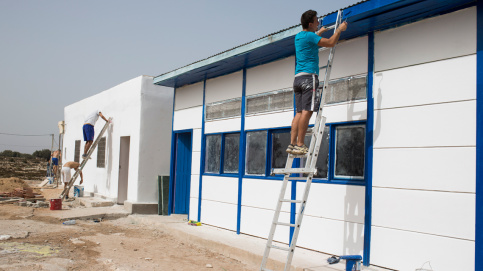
{"x":40,"y":242}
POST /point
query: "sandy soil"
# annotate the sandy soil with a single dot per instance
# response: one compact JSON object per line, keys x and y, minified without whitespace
{"x":40,"y":242}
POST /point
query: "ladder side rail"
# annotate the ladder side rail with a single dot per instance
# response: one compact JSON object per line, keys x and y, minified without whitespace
{"x":276,"y":215}
{"x":298,"y":223}
{"x":322,"y":95}
{"x":84,"y":162}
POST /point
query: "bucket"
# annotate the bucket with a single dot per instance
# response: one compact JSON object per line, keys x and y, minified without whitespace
{"x":51,"y":180}
{"x":55,"y":204}
{"x":78,"y":191}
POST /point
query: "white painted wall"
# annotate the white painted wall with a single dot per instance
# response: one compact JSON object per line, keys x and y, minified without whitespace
{"x":126,"y":104}
{"x":189,"y":96}
{"x":424,"y":144}
{"x":350,"y":59}
{"x":224,"y":87}
{"x":155,"y":138}
{"x":272,"y":76}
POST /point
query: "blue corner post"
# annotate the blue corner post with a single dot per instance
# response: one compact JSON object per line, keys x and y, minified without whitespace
{"x":202,"y":156}
{"x":241,"y":155}
{"x":479,"y":139}
{"x":369,"y":152}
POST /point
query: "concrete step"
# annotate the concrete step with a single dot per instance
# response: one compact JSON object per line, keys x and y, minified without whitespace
{"x":94,"y":202}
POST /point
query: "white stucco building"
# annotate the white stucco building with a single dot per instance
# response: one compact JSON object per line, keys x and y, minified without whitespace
{"x":400,"y":170}
{"x":134,"y":151}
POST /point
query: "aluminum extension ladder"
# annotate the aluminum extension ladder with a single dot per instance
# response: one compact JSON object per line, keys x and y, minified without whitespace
{"x":309,"y":169}
{"x":66,"y":190}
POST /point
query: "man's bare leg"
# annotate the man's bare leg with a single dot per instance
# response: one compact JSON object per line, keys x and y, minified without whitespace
{"x":87,"y":146}
{"x":294,"y":130}
{"x":302,"y":126}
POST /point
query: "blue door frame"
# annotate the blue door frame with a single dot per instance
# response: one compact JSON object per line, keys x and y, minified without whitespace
{"x":180,"y":172}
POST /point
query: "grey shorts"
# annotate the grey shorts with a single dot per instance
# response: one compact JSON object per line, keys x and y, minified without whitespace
{"x":305,"y":89}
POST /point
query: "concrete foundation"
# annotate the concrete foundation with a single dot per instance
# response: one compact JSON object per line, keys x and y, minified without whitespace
{"x":141,"y":208}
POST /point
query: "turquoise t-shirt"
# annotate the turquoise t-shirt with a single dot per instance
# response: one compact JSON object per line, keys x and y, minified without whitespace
{"x":307,"y":52}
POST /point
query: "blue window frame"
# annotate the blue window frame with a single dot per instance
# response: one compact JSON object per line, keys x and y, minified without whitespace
{"x":222,"y":154}
{"x":340,"y":160}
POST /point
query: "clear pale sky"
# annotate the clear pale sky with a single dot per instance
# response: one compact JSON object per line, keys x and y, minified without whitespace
{"x":55,"y":53}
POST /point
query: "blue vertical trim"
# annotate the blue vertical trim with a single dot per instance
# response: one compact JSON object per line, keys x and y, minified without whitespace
{"x":479,"y":138}
{"x":242,"y":149}
{"x":369,"y":153}
{"x":171,"y":165}
{"x":202,"y":152}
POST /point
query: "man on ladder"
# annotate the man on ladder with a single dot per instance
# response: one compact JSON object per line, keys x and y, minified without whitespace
{"x":307,"y":100}
{"x":88,"y":130}
{"x":306,"y":82}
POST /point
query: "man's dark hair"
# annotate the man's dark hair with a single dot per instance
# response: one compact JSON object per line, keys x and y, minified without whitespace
{"x":308,"y":17}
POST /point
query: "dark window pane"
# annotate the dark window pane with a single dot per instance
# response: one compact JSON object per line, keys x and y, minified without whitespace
{"x":280,"y":141}
{"x":232,"y":150}
{"x":77,"y":151}
{"x":212,"y":155}
{"x":322,"y":163}
{"x":101,"y":153}
{"x":256,"y":153}
{"x":349,"y":151}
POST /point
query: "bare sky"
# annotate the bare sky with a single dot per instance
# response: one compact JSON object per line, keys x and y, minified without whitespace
{"x":54,"y":53}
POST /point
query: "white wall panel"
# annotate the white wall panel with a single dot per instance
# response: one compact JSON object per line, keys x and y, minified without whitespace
{"x":195,"y":185}
{"x":196,"y":144}
{"x":350,"y":59}
{"x":262,"y":121}
{"x":193,"y":212}
{"x":189,"y":96}
{"x":440,"y":213}
{"x":224,"y":87}
{"x":219,"y":214}
{"x":341,"y":202}
{"x":449,"y":124}
{"x":189,"y":118}
{"x":343,"y":112}
{"x":402,"y":250}
{"x":435,"y":82}
{"x":331,"y":236}
{"x":257,"y":222}
{"x":225,"y":125}
{"x":444,"y":169}
{"x":272,"y":76}
{"x":195,"y":162}
{"x":264,"y":193}
{"x":445,"y":36}
{"x":224,"y":189}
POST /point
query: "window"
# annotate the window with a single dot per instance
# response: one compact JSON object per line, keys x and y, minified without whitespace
{"x":213,"y":154}
{"x":101,"y":153}
{"x":227,"y":144}
{"x":349,"y":151}
{"x":223,"y":109}
{"x":346,"y":89}
{"x":270,"y":101}
{"x":341,"y":154}
{"x":231,"y":153}
{"x":256,"y":153}
{"x":77,"y":151}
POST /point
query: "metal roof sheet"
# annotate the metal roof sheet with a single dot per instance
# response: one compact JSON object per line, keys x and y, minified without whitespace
{"x":363,"y":17}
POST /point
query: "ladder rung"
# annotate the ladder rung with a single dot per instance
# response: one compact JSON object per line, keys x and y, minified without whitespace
{"x":297,"y":178}
{"x":323,"y":67}
{"x":286,"y":224}
{"x":293,"y":170}
{"x":298,"y":155}
{"x":291,"y":200}
{"x":281,"y":248}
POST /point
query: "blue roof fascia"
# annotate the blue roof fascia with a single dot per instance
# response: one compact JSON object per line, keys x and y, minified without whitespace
{"x":363,"y":18}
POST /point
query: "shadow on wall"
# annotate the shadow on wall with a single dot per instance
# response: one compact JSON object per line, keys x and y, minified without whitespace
{"x":109,"y":156}
{"x":353,"y":230}
{"x":377,"y":120}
